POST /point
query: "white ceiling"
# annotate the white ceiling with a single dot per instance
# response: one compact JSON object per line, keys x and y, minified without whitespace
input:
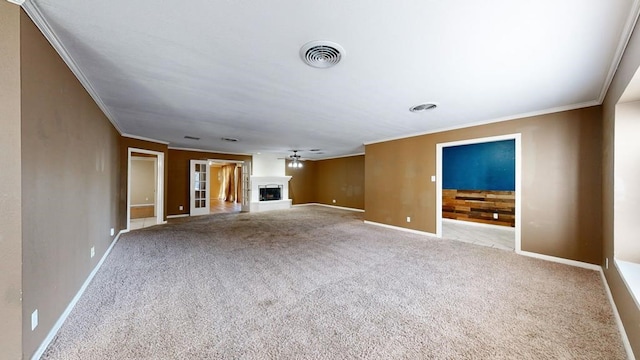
{"x":223,"y":68}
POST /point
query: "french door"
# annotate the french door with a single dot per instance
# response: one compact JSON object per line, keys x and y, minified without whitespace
{"x":199,"y":190}
{"x":246,"y":186}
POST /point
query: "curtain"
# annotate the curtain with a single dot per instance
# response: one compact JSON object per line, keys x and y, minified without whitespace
{"x":229,"y":183}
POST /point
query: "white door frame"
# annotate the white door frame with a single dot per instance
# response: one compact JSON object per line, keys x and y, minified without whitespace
{"x":518,"y":150}
{"x":159,"y":200}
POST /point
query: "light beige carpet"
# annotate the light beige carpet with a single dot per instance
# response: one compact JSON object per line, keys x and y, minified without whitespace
{"x":317,"y":283}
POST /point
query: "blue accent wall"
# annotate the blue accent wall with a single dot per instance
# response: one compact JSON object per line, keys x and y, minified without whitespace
{"x":484,"y":166}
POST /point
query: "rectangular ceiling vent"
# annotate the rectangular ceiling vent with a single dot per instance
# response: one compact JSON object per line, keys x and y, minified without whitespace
{"x":191,"y":137}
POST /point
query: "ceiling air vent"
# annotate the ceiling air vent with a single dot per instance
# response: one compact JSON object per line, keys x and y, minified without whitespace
{"x":191,"y":137}
{"x":321,"y":54}
{"x":423,"y":107}
{"x":229,"y":139}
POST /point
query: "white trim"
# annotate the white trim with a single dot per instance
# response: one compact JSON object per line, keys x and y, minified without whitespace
{"x":575,"y":263}
{"x":400,"y":228}
{"x":616,"y":315}
{"x":485,"y":122}
{"x":630,"y":275}
{"x":17,"y":2}
{"x":518,"y":180}
{"x":627,"y":31}
{"x":143,"y":158}
{"x":145,"y":139}
{"x":36,"y":16}
{"x":337,"y":157}
{"x":478,"y":224}
{"x":159,"y":201}
{"x":177,"y":216}
{"x":331,"y":206}
{"x":65,"y":314}
{"x":142,"y":205}
{"x":208,"y":151}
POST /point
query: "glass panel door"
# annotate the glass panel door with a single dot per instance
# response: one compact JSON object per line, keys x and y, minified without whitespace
{"x":199,"y":187}
{"x":246,"y":186}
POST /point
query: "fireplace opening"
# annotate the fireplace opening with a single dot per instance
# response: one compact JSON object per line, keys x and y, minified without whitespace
{"x":270,"y":192}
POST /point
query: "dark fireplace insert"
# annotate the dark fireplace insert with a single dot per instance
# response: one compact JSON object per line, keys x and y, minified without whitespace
{"x":270,"y":192}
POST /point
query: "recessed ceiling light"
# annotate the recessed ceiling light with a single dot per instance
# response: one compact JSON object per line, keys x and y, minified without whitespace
{"x":423,"y":107}
{"x":191,"y":137}
{"x":229,"y":139}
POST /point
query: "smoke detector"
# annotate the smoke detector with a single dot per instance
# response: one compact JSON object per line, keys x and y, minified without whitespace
{"x":321,"y":54}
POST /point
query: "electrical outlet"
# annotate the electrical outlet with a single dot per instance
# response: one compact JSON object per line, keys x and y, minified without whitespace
{"x":408,"y":218}
{"x":433,"y":178}
{"x":333,"y":201}
{"x":112,"y":232}
{"x":180,"y":207}
{"x":606,"y":263}
{"x":34,"y":319}
{"x":495,"y":216}
{"x":93,"y":251}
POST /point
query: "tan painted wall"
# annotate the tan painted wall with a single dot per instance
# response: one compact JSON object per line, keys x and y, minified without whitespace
{"x":561,"y":169}
{"x":215,"y":182}
{"x":70,"y":184}
{"x":323,"y":181}
{"x":178,"y":169}
{"x":303,"y":183}
{"x":342,"y":180}
{"x":10,"y":184}
{"x":629,"y":312}
{"x":143,"y":181}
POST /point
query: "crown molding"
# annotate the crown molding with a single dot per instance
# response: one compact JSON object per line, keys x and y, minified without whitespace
{"x":337,"y":157}
{"x":144,"y":139}
{"x":36,"y":16}
{"x":506,"y":118}
{"x":627,"y":31}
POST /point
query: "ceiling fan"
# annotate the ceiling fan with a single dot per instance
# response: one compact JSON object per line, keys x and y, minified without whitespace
{"x":296,"y":160}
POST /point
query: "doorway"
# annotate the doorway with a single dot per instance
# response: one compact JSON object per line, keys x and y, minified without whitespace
{"x":145,"y":188}
{"x":219,"y":186}
{"x":484,"y":227}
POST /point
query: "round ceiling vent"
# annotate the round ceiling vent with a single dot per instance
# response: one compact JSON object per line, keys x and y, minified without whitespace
{"x":321,"y":54}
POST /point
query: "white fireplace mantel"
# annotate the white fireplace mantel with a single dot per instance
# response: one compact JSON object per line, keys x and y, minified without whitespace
{"x":257,"y":205}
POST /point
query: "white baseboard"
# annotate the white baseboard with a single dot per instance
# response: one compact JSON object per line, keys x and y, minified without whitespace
{"x":400,"y":228}
{"x":616,"y":315}
{"x":575,"y":263}
{"x":177,"y":216}
{"x":56,"y":327}
{"x":331,"y":206}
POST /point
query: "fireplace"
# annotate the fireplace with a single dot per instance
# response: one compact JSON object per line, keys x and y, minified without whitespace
{"x":270,"y":192}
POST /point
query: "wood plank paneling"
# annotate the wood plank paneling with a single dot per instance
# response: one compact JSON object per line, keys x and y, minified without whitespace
{"x":479,"y":206}
{"x":139,"y":212}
